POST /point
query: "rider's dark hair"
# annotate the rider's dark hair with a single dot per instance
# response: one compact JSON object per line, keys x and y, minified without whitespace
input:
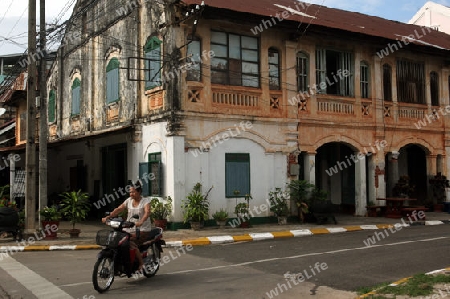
{"x":137,"y":186}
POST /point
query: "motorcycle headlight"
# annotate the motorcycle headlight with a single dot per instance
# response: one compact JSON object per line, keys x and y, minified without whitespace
{"x":114,"y":224}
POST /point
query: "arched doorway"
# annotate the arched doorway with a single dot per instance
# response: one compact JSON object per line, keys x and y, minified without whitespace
{"x":335,"y":173}
{"x":411,"y":162}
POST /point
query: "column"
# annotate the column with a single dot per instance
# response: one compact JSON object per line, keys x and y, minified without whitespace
{"x":431,"y":172}
{"x":12,"y":175}
{"x":393,"y":175}
{"x":360,"y":186}
{"x":176,"y":173}
{"x":310,"y":167}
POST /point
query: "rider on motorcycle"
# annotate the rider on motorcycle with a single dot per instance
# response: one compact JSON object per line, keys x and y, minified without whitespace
{"x":136,"y":205}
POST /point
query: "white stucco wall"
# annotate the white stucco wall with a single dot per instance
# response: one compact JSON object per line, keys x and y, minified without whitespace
{"x":182,"y":169}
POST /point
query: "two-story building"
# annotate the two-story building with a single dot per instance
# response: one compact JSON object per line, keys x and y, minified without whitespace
{"x":240,"y":96}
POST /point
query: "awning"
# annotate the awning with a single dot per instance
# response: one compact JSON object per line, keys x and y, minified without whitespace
{"x":9,"y":127}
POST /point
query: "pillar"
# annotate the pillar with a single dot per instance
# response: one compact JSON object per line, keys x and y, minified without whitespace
{"x":360,"y":186}
{"x":310,"y":167}
{"x":393,"y":175}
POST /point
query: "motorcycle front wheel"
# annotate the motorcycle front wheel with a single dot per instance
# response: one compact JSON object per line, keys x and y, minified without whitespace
{"x":151,"y":262}
{"x":103,"y":274}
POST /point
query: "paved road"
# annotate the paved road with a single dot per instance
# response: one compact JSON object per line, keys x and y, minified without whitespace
{"x":332,"y":266}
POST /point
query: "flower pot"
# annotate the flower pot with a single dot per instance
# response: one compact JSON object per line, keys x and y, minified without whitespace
{"x":49,"y":229}
{"x":196,"y":225}
{"x":282,"y":220}
{"x":438,"y":207}
{"x":162,"y":223}
{"x":245,"y":224}
{"x":221,"y":223}
{"x":74,"y":233}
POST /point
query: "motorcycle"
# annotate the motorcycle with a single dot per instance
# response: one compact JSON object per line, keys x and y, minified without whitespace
{"x":9,"y":223}
{"x":117,"y":259}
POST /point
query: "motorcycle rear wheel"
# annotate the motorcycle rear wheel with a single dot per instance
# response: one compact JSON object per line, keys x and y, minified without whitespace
{"x":103,"y":274}
{"x":151,"y":262}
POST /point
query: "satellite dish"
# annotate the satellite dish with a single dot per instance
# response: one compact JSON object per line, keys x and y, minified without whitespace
{"x":2,"y":111}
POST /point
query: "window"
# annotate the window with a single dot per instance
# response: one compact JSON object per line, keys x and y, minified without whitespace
{"x":387,"y":82}
{"x":335,"y":70}
{"x":364,"y":73}
{"x":194,"y":51}
{"x":274,"y":69}
{"x":410,"y":82}
{"x":302,"y":72}
{"x":236,"y":60}
{"x":237,"y":174}
{"x":434,"y":88}
{"x":76,"y":95}
{"x":51,"y":106}
{"x":152,"y":50}
{"x":155,"y":168}
{"x":112,"y":81}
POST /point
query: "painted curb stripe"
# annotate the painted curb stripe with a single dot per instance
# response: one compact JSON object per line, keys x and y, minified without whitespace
{"x":286,"y":234}
{"x":221,"y":239}
{"x":319,"y":231}
{"x":353,"y":228}
{"x":62,"y":247}
{"x":87,"y":247}
{"x":261,"y":236}
{"x":198,"y":241}
{"x":11,"y":248}
{"x":381,"y":226}
{"x":301,"y":232}
{"x":335,"y":230}
{"x":242,"y":238}
{"x":367,"y":227}
{"x":37,"y":248}
{"x":174,"y":244}
{"x":433,"y":222}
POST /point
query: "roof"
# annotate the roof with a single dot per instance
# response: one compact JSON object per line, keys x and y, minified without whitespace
{"x":333,"y":18}
{"x":433,"y":6}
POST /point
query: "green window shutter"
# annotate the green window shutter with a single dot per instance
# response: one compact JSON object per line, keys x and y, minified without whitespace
{"x":155,"y":168}
{"x":143,"y":170}
{"x":237,"y":174}
{"x":76,"y":96}
{"x":152,"y":50}
{"x":112,"y":81}
{"x":51,"y":106}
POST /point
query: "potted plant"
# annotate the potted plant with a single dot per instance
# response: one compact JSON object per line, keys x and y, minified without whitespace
{"x":439,"y":183}
{"x":242,"y":211}
{"x":50,"y":217}
{"x":279,"y":205}
{"x":196,"y":207}
{"x":221,"y":217}
{"x":160,"y":210}
{"x":403,"y":188}
{"x":304,"y":195}
{"x":75,"y":207}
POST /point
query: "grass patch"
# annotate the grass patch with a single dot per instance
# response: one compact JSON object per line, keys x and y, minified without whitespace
{"x":418,"y":285}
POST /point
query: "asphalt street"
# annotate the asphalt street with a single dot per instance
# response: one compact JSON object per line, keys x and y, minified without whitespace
{"x":328,"y":266}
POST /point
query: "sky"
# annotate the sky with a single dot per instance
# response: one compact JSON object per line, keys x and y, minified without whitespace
{"x":14,"y":15}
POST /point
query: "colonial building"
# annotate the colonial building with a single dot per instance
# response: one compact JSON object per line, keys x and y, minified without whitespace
{"x":245,"y":96}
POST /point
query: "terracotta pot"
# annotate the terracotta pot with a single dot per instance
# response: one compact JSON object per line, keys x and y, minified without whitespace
{"x":162,"y":223}
{"x":50,"y":234}
{"x":74,"y":233}
{"x":196,"y":225}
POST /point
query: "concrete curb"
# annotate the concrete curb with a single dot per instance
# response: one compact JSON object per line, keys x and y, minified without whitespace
{"x":403,"y":280}
{"x":213,"y":240}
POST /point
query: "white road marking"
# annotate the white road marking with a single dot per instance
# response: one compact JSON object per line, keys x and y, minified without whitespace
{"x":38,"y":285}
{"x":300,"y":256}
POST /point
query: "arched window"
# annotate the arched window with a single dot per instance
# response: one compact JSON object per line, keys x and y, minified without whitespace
{"x":364,"y":79}
{"x":76,"y":96}
{"x":274,"y":69}
{"x":434,"y":88}
{"x":302,"y":72}
{"x":387,"y":82}
{"x":152,"y":50}
{"x":112,"y":81}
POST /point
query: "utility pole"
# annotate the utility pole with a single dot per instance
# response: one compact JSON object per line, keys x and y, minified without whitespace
{"x":30,"y":161}
{"x":43,"y":113}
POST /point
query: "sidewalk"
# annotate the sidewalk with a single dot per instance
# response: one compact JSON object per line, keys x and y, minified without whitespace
{"x":216,"y":235}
